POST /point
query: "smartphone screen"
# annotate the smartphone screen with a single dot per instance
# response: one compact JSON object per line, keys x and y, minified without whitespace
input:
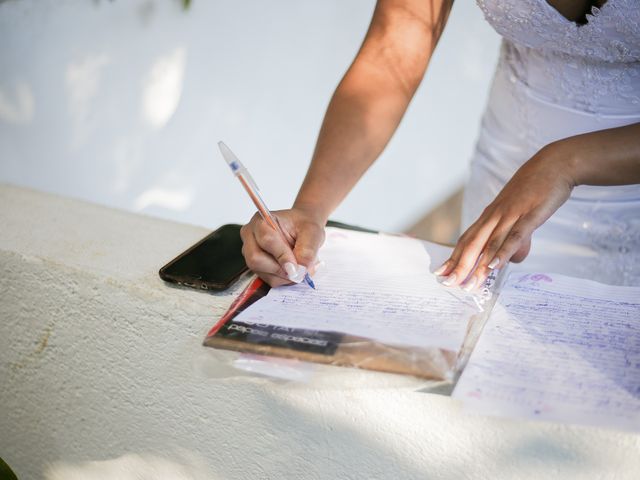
{"x":214,"y":263}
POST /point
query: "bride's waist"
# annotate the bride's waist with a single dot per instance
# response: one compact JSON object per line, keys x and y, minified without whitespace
{"x":517,"y":124}
{"x":518,"y":114}
{"x":561,"y":80}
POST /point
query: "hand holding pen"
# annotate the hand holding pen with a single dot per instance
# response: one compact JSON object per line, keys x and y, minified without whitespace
{"x":295,"y":272}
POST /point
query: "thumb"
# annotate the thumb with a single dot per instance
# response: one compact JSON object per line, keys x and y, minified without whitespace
{"x":309,"y":239}
{"x":288,"y":262}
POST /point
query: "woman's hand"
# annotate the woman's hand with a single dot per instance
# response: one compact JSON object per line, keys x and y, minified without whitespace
{"x":365,"y":110}
{"x":535,"y":192}
{"x":503,"y":231}
{"x":267,"y":254}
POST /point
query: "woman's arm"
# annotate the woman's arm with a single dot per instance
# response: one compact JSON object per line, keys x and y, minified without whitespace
{"x":371,"y":99}
{"x":607,"y":157}
{"x":363,"y":114}
{"x":503,"y":231}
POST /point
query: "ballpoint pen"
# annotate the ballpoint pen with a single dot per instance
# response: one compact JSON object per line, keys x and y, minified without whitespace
{"x":242,"y":174}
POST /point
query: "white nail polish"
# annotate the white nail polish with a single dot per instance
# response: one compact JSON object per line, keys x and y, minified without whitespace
{"x":440,"y":269}
{"x":295,"y":273}
{"x":290,"y":268}
{"x":494,"y":263}
{"x":447,"y":282}
{"x":470,"y":285}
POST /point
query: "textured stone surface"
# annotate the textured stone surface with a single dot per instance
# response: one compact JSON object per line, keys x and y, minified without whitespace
{"x":103,"y":375}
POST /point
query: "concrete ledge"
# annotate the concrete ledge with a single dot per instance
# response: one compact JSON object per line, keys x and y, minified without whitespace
{"x":103,"y":372}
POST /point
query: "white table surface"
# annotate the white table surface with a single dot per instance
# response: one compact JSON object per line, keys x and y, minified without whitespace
{"x":104,"y":377}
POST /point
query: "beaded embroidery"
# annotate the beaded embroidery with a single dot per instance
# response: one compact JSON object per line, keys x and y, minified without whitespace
{"x":586,"y":66}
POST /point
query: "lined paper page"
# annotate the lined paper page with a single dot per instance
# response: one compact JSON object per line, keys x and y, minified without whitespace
{"x":375,"y":286}
{"x":561,"y":349}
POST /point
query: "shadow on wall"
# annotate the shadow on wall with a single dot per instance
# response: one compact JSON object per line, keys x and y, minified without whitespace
{"x":105,"y":105}
{"x":336,"y":451}
{"x":127,"y":100}
{"x":442,"y":223}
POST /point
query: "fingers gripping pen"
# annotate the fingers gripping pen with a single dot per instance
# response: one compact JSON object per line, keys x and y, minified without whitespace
{"x":242,"y":174}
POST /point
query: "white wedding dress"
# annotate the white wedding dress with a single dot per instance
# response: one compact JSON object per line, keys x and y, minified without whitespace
{"x":556,"y":79}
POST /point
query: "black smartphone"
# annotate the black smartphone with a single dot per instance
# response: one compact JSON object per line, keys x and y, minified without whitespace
{"x":214,"y":263}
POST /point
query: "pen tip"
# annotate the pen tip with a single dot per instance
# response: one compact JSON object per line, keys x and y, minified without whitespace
{"x":307,"y":279}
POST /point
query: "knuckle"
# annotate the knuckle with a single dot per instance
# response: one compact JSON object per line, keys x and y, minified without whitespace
{"x":305,"y":255}
{"x":451,"y":266}
{"x":268,"y":241}
{"x":459,"y":272}
{"x":269,"y":237}
{"x":464,"y":265}
{"x":516,"y":236}
{"x":244,"y":231}
{"x":282,"y":257}
{"x":260,"y":226}
{"x":253,"y":258}
{"x":488,"y":210}
{"x":536,"y":218}
{"x":481,"y":274}
{"x":456,"y":267}
{"x":469,"y":242}
{"x":457,"y":252}
{"x":493,"y":245}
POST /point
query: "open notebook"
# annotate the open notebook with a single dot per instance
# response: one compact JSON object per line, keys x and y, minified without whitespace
{"x":551,"y":347}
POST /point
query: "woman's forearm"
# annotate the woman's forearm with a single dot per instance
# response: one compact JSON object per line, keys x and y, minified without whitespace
{"x":361,"y":118}
{"x":605,"y":157}
{"x":371,"y":99}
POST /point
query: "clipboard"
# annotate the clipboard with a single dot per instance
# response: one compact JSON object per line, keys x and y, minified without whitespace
{"x":334,"y":348}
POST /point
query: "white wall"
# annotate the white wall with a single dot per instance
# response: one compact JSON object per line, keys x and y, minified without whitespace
{"x":122,"y":102}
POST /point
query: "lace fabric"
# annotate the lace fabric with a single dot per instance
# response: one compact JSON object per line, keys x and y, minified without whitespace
{"x":593,"y":67}
{"x":610,"y":34}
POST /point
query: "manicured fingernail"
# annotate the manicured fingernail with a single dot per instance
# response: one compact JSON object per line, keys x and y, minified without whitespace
{"x":470,"y":285}
{"x":295,"y":273}
{"x":440,"y":269}
{"x":290,"y":268}
{"x":494,"y":263}
{"x":450,"y":280}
